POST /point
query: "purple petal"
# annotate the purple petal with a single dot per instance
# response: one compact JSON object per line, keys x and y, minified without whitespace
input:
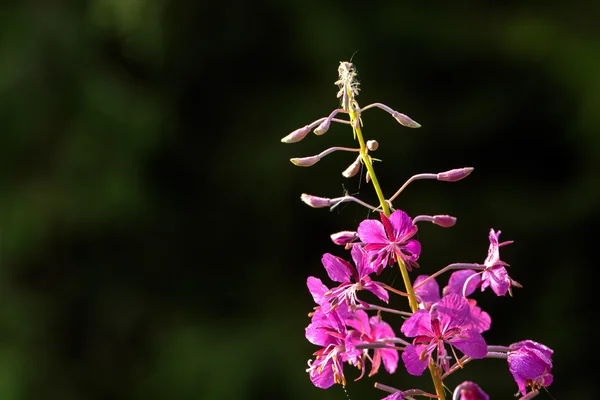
{"x":371,"y":231}
{"x":338,"y":270}
{"x":377,"y":289}
{"x":471,"y":343}
{"x":496,"y":278}
{"x":361,"y":260}
{"x":418,"y":324}
{"x":394,"y":396}
{"x":317,"y":290}
{"x":457,"y":281}
{"x":453,"y":311}
{"x":390,"y":359}
{"x":403,"y":226}
{"x":414,"y":365}
{"x":479,"y":320}
{"x":359,"y":320}
{"x":324,"y":379}
{"x":413,"y":247}
{"x":429,"y":292}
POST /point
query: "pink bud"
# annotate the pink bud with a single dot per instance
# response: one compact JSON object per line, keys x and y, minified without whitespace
{"x":405,"y":120}
{"x":323,"y":127}
{"x":445,"y":221}
{"x":305,"y":161}
{"x":372,"y":145}
{"x":454,"y":174}
{"x":297,"y":135}
{"x":314,"y":201}
{"x":352,"y":169}
{"x":344,"y":237}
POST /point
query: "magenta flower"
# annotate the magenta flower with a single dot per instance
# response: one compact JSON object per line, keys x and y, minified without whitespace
{"x":329,"y":332}
{"x":446,"y":323}
{"x":469,"y":391}
{"x":429,"y":294}
{"x":495,"y":275}
{"x":374,"y":330}
{"x":394,"y":396}
{"x":390,"y":240}
{"x":352,"y":279}
{"x":530,"y":364}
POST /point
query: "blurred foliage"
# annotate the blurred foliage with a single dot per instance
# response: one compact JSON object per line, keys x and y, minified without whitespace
{"x":152,"y":243}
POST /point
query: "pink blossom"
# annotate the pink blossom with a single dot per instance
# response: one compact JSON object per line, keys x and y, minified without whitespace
{"x":390,"y":240}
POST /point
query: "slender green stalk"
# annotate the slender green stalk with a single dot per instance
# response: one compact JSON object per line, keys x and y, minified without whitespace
{"x":412,"y":299}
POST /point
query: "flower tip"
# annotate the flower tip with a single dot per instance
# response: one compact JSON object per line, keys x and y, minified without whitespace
{"x":454,"y":175}
{"x":297,"y":135}
{"x":314,"y":201}
{"x":305,"y":161}
{"x":405,"y":120}
{"x":445,"y":221}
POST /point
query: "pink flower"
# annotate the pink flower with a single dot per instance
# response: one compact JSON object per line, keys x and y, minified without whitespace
{"x":446,"y":323}
{"x":374,"y":330}
{"x":495,"y":275}
{"x":352,"y":279}
{"x":530,"y":364}
{"x":329,"y":332}
{"x":390,"y":240}
{"x":429,"y":294}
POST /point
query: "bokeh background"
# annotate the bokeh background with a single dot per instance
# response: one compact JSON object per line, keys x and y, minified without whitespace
{"x":152,"y":240}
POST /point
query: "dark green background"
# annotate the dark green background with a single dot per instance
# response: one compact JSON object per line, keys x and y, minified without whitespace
{"x":152,"y":240}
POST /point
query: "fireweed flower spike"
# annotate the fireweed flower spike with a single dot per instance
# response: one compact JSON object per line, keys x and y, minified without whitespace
{"x":350,"y":330}
{"x":390,"y":240}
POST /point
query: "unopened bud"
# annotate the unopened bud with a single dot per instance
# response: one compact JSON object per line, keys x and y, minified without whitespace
{"x":344,"y":237}
{"x":305,"y":161}
{"x":405,"y":120}
{"x":352,"y":169}
{"x":368,"y":177}
{"x":297,"y":135}
{"x":323,"y":127}
{"x":454,"y":174}
{"x":445,"y":221}
{"x":372,"y":145}
{"x":314,"y":201}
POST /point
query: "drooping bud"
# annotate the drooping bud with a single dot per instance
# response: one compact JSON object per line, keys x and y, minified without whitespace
{"x":372,"y":145}
{"x":314,"y":201}
{"x":405,"y":120}
{"x":323,"y":127}
{"x":368,"y":177}
{"x":454,"y":175}
{"x":344,"y":237}
{"x":297,"y":135}
{"x":352,"y":169}
{"x":305,"y":161}
{"x":445,"y":221}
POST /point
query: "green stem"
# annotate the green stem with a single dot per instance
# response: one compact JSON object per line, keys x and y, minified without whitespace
{"x":412,"y":299}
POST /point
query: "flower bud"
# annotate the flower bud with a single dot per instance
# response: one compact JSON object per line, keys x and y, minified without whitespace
{"x":454,"y":174}
{"x":445,"y":221}
{"x":323,"y":127}
{"x":530,"y":363}
{"x":305,"y":161}
{"x":344,"y":237}
{"x":405,"y":120}
{"x":297,"y":135}
{"x":469,"y":391}
{"x":314,"y":201}
{"x":352,"y":168}
{"x":372,"y":145}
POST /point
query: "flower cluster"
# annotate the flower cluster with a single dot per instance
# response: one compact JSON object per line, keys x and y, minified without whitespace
{"x":443,"y":329}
